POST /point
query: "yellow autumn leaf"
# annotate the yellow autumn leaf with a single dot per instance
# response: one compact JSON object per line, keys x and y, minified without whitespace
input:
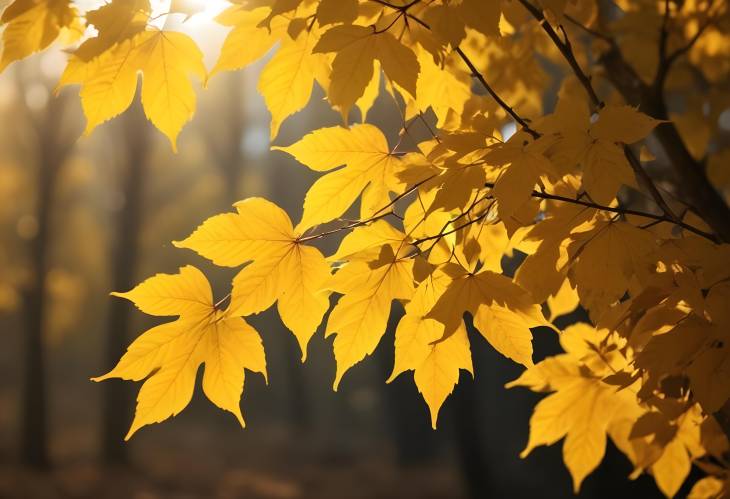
{"x":485,"y":243}
{"x":481,"y":16}
{"x":32,"y":26}
{"x":441,"y":90}
{"x":622,"y":124}
{"x":580,"y":411}
{"x":363,"y":150}
{"x":503,"y":312}
{"x":247,"y":41}
{"x":708,"y":488}
{"x":438,"y":373}
{"x":367,"y":99}
{"x":564,"y":301}
{"x":445,"y":22}
{"x":166,"y":59}
{"x":286,"y":80}
{"x":516,"y":182}
{"x":357,"y":48}
{"x":435,"y":363}
{"x":681,"y":442}
{"x":109,"y":81}
{"x":582,"y":408}
{"x":115,"y":21}
{"x":365,"y":242}
{"x":506,"y":331}
{"x":612,"y":254}
{"x":337,"y":11}
{"x":168,"y":356}
{"x":281,"y":267}
{"x":360,"y":316}
{"x":605,"y":170}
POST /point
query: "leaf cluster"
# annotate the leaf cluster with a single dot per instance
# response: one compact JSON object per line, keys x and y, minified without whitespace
{"x":569,"y":193}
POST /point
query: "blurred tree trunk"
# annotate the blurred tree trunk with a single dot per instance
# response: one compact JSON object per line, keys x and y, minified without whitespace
{"x":52,"y":150}
{"x":224,"y":138}
{"x":299,"y":415}
{"x":474,"y":465}
{"x":117,"y":401}
{"x":232,"y":162}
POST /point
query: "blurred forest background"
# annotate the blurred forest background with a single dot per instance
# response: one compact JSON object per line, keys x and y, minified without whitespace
{"x":81,"y":218}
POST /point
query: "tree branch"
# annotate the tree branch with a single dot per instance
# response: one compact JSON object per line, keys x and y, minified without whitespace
{"x":474,"y":72}
{"x":566,"y":49}
{"x":710,"y":206}
{"x":664,"y":35}
{"x":621,"y":211}
{"x":590,"y":31}
{"x":666,"y":61}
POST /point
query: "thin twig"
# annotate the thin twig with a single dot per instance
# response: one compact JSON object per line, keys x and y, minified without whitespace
{"x":620,"y":211}
{"x":645,"y":179}
{"x":590,"y":31}
{"x":476,"y":74}
{"x":474,"y":71}
{"x":692,"y":41}
{"x":349,"y":226}
{"x":566,"y":49}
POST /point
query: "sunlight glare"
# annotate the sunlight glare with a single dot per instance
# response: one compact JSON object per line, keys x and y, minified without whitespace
{"x":207,"y":10}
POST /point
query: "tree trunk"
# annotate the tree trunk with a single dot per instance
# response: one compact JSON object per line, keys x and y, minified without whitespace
{"x":117,"y":402}
{"x":52,"y":152}
{"x":473,"y":460}
{"x":34,"y":433}
{"x":689,"y":174}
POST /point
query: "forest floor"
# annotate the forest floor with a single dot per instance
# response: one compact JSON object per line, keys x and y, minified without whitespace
{"x":86,"y":480}
{"x":210,"y":464}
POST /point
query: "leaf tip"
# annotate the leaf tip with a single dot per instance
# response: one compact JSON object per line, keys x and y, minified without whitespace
{"x":182,"y":244}
{"x":132,"y":430}
{"x":239,"y":417}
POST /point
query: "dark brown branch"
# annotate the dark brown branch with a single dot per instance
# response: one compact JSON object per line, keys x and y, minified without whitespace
{"x":594,"y":33}
{"x":664,"y":35}
{"x":476,"y":74}
{"x":620,"y":211}
{"x":648,"y":183}
{"x":565,"y":48}
{"x":666,"y":61}
{"x":474,"y":71}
